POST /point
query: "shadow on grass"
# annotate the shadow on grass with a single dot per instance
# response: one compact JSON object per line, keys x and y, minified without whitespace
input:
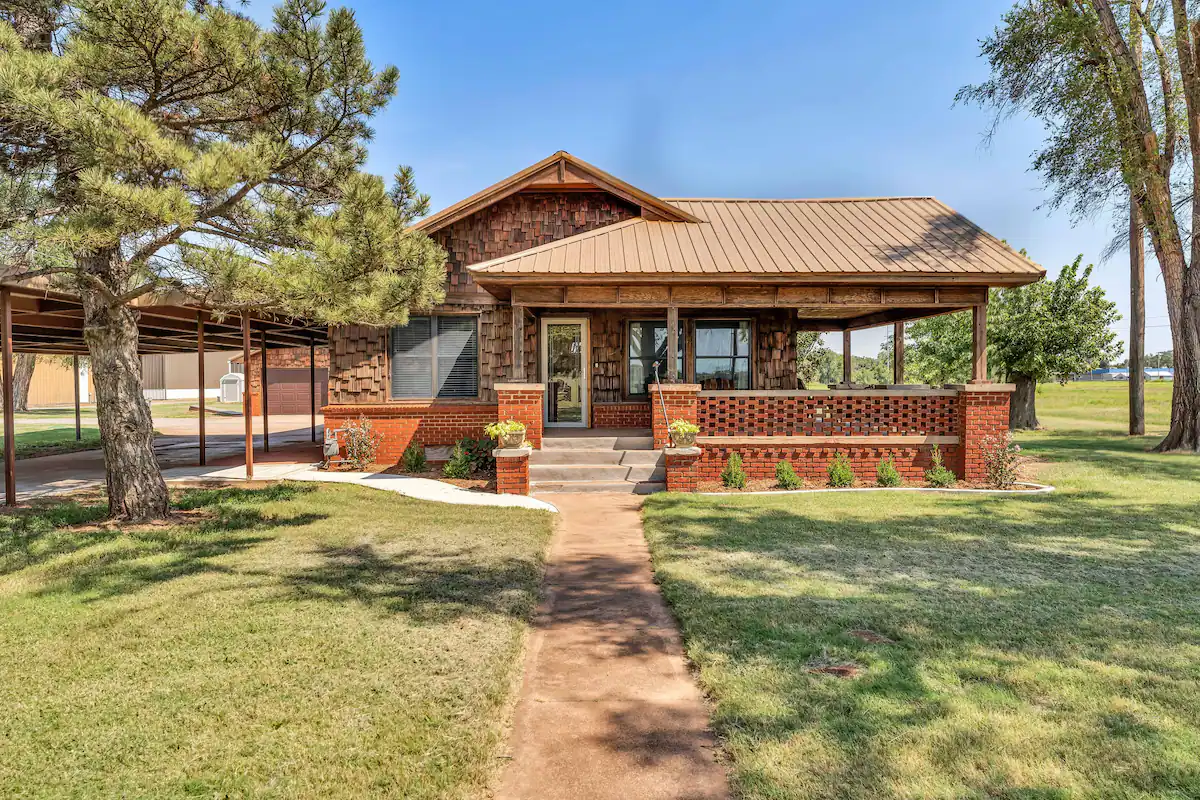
{"x":1069,"y":591}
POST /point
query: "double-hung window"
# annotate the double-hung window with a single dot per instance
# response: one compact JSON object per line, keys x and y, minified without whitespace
{"x":723,"y":354}
{"x":436,"y":357}
{"x":647,"y":344}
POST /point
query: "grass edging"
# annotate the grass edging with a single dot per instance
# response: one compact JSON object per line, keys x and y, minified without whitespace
{"x":1039,"y":488}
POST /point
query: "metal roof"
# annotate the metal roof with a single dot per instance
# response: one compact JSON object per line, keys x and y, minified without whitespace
{"x":892,"y":237}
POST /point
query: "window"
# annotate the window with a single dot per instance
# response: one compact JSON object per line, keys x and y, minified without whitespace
{"x":647,"y":344}
{"x":723,"y":354}
{"x":436,"y":357}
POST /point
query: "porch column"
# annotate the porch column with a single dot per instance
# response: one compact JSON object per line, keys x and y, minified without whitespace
{"x":979,"y":372}
{"x":518,"y":343}
{"x":247,"y":408}
{"x":200,"y":377}
{"x":10,"y":434}
{"x":522,"y":402}
{"x":847,"y":358}
{"x":898,"y":353}
{"x":672,"y":344}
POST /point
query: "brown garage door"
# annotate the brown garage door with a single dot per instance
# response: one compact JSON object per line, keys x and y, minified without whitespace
{"x":287,"y":390}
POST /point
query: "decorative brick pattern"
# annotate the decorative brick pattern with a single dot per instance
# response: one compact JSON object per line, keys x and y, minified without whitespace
{"x":821,"y":415}
{"x":621,"y":415}
{"x":512,"y":475}
{"x":680,"y":401}
{"x":522,"y":402}
{"x":983,"y":414}
{"x":436,"y":424}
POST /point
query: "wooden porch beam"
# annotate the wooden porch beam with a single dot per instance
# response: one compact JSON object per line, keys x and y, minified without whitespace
{"x":979,"y":370}
{"x":518,"y":342}
{"x":672,"y":344}
{"x":898,"y":353}
{"x":847,"y":358}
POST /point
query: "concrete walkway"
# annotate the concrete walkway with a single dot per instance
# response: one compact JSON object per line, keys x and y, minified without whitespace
{"x":608,"y":708}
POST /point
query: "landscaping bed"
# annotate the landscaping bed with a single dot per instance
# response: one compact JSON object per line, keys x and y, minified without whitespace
{"x":293,"y":640}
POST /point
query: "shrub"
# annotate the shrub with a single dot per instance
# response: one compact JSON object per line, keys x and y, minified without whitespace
{"x":362,"y":443}
{"x":459,"y":465}
{"x":840,"y":472}
{"x":1001,"y":458}
{"x":938,"y":475}
{"x":497,"y":429}
{"x":733,"y":476}
{"x":479,"y":451}
{"x":413,"y":459}
{"x":886,"y":473}
{"x":786,"y":477}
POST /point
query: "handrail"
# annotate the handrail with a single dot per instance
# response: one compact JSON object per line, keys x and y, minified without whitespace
{"x":663,"y":401}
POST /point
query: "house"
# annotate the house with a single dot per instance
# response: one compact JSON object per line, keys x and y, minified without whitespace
{"x":565,"y":285}
{"x":1105,"y":374}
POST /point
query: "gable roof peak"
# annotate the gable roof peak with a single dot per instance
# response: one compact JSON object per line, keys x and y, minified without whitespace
{"x":561,"y":169}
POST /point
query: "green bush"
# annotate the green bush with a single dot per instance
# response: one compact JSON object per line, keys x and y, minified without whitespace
{"x":459,"y":465}
{"x":480,"y":453}
{"x":841,"y":474}
{"x":413,"y":459}
{"x":786,"y":477}
{"x":886,"y":473}
{"x":733,"y":476}
{"x":938,"y":475}
{"x":362,"y":443}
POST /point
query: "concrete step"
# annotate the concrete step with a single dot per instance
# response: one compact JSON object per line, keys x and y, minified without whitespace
{"x":627,"y":457}
{"x":575,"y":473}
{"x":636,"y":442}
{"x":603,"y":487}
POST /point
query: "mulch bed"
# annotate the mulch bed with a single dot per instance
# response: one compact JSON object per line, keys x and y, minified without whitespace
{"x":479,"y":482}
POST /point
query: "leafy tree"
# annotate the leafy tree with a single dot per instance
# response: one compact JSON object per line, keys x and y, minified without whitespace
{"x":166,"y":147}
{"x":1050,"y":330}
{"x":810,"y":352}
{"x":1118,"y":127}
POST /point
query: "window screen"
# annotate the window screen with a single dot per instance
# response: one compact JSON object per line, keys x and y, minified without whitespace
{"x":436,"y":357}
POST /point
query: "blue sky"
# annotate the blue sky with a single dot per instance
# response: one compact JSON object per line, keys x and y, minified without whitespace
{"x":736,"y":99}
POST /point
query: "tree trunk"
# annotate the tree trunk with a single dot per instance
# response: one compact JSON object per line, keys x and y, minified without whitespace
{"x":1137,"y":323}
{"x":23,"y":367}
{"x":1022,"y":414}
{"x":136,"y":490}
{"x":1184,"y":434}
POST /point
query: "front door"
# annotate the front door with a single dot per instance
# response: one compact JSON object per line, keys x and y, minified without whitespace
{"x":565,"y":371}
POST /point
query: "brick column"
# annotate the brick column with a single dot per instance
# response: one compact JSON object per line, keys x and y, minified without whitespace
{"x":522,"y":402}
{"x":680,"y":399}
{"x":512,"y":470}
{"x":683,"y":468}
{"x":982,"y":413}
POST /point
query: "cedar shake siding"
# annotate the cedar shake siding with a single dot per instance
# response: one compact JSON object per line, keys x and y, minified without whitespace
{"x":517,"y":223}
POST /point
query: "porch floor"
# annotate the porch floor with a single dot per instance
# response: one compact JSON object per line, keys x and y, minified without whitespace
{"x":594,"y":433}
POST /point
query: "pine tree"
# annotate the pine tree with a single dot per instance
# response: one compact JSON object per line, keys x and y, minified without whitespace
{"x":160,"y":146}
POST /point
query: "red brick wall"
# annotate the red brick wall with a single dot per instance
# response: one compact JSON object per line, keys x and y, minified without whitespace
{"x":435,"y":424}
{"x":680,"y":402}
{"x":621,"y":415}
{"x":984,"y":414}
{"x":512,"y":475}
{"x":811,"y":462}
{"x":523,"y":403}
{"x":683,"y":472}
{"x":837,"y":415}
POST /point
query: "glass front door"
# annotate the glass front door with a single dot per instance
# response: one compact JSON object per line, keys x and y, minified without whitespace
{"x":565,"y":371}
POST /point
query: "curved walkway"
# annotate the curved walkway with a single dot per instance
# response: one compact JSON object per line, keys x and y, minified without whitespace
{"x":607,"y":708}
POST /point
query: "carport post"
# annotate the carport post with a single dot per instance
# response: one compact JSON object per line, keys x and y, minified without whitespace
{"x":10,"y":436}
{"x":75,"y":372}
{"x":312,"y":384}
{"x":246,"y":408}
{"x":263,"y":380}
{"x":200,"y":376}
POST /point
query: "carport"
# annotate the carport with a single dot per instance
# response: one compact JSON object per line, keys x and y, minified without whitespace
{"x":45,"y":322}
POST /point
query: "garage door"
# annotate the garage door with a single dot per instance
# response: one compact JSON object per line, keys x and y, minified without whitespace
{"x":287,"y":390}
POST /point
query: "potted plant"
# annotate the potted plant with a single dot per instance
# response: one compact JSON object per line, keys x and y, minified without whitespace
{"x":683,"y":433}
{"x":508,"y":434}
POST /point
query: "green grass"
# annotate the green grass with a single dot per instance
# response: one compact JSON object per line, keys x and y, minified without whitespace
{"x":1101,"y":406}
{"x":293,"y":641}
{"x":158,"y":409}
{"x":44,"y":440}
{"x":1041,"y":646}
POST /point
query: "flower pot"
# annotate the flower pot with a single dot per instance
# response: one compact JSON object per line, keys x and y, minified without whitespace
{"x":511,"y":441}
{"x":684,"y":439}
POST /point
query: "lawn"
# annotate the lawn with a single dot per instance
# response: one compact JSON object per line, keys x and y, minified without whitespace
{"x":33,"y":440}
{"x":1101,"y":406}
{"x":1024,"y":647}
{"x":162,"y":409}
{"x":290,"y":641}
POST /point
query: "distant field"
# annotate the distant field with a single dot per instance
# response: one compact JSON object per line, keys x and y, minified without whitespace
{"x":1101,"y":406}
